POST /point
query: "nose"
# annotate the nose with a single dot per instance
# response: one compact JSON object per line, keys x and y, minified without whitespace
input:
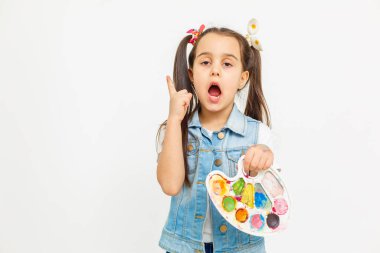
{"x":215,"y":71}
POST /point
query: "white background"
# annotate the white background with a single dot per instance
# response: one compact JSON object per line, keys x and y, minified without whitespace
{"x":83,"y":91}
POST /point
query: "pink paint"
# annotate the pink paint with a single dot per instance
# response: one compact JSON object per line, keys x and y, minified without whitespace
{"x":257,"y":221}
{"x":280,"y":206}
{"x":271,"y":184}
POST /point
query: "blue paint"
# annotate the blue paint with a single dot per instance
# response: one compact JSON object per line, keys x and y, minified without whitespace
{"x":260,"y":199}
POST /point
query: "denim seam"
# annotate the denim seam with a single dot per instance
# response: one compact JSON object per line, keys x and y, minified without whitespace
{"x":245,"y":125}
{"x":186,"y":210}
{"x":248,"y":245}
{"x":176,"y":213}
{"x":181,"y":238}
{"x":243,"y":247}
{"x":257,"y":132}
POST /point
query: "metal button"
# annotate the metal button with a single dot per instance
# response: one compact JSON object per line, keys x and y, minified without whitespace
{"x":218,"y":162}
{"x":223,"y":228}
{"x":220,"y":135}
{"x":190,"y":147}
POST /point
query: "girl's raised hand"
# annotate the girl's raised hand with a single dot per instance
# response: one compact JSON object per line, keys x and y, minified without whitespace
{"x":179,"y":101}
{"x":258,"y":157}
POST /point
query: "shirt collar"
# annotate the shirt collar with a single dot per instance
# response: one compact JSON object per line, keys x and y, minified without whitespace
{"x":236,"y":122}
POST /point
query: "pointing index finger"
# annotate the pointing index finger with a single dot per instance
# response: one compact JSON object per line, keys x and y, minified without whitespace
{"x":171,"y":87}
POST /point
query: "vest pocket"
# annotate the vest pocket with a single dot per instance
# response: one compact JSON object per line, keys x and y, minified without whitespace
{"x":233,"y":156}
{"x":244,"y":238}
{"x":255,"y":239}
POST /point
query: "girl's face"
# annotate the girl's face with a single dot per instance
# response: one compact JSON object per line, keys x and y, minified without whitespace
{"x":217,"y":71}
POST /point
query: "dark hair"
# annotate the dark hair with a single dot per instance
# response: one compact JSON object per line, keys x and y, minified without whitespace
{"x":256,"y":106}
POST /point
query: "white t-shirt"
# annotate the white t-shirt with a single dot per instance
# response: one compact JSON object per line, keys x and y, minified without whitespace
{"x":265,"y":136}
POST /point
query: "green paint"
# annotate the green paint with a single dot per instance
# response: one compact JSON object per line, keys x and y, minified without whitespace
{"x":238,"y":186}
{"x":229,"y":203}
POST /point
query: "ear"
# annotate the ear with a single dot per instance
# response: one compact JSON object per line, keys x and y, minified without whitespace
{"x":190,"y":71}
{"x":243,"y":79}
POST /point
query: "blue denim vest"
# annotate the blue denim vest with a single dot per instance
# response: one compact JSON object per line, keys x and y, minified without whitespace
{"x":182,"y":231}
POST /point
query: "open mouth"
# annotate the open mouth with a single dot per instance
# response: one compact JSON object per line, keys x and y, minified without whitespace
{"x":214,"y":90}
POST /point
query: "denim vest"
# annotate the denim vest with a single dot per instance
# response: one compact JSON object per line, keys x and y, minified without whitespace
{"x":182,"y":231}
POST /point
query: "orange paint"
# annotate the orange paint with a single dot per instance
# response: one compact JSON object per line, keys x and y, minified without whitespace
{"x":241,"y":215}
{"x":219,"y":187}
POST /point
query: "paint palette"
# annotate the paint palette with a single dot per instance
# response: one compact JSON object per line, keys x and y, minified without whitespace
{"x":255,"y":205}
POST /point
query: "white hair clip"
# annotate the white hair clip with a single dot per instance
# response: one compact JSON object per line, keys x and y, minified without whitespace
{"x":253,"y":28}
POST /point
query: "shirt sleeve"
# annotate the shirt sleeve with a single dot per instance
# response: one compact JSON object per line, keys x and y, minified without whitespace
{"x":160,"y":141}
{"x":268,"y":137}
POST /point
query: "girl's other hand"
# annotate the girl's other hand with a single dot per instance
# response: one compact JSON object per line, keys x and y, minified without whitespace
{"x":258,"y":157}
{"x":179,"y":101}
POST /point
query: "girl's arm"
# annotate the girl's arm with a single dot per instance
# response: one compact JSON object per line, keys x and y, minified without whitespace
{"x":171,"y":165}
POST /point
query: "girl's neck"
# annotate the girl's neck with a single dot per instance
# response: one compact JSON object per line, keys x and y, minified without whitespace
{"x":215,"y":121}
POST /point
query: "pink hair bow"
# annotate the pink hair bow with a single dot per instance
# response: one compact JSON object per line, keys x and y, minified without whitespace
{"x":195,"y":34}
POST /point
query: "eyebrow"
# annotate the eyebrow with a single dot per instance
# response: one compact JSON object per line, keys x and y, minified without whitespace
{"x":207,"y":53}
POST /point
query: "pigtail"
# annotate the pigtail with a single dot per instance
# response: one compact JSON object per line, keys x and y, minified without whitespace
{"x":182,"y":81}
{"x":256,"y":106}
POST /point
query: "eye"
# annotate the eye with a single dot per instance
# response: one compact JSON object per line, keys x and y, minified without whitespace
{"x":228,"y":64}
{"x":204,"y":62}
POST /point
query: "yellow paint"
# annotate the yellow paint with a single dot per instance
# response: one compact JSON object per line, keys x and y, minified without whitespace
{"x":247,"y":195}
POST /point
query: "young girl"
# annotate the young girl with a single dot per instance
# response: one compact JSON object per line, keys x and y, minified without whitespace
{"x":205,"y":131}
